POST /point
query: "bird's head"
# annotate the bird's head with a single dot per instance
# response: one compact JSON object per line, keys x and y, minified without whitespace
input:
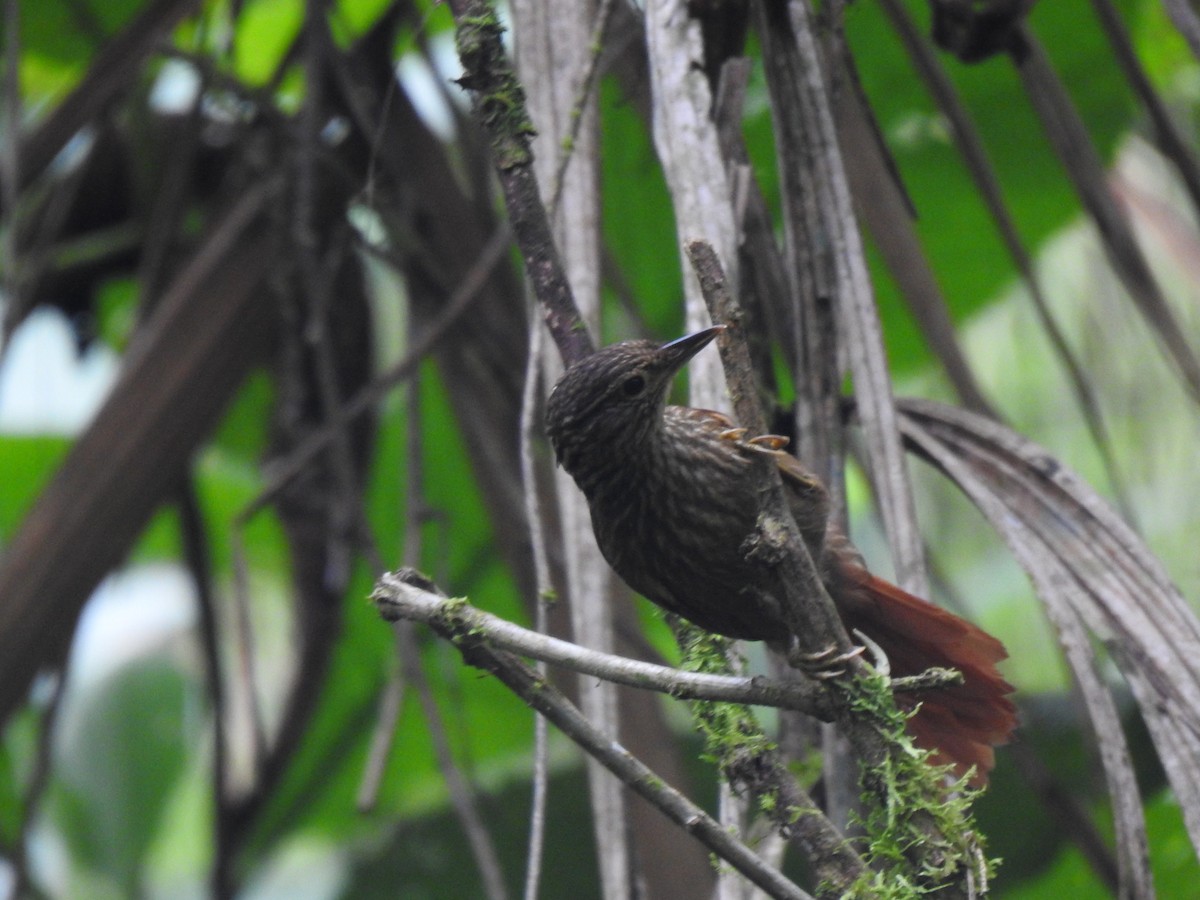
{"x":615,"y":397}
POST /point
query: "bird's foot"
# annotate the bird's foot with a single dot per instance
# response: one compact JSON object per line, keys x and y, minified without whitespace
{"x":823,"y":664}
{"x":734,"y":434}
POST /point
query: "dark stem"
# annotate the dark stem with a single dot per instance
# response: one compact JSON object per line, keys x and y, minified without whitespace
{"x":499,"y":105}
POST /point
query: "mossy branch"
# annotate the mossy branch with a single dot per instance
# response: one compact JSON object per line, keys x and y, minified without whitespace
{"x":498,"y":101}
{"x":750,"y":762}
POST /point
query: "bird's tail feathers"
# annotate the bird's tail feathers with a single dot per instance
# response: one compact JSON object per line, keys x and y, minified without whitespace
{"x":962,"y":723}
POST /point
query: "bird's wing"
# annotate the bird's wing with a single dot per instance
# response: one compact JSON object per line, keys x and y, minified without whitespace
{"x":807,"y":496}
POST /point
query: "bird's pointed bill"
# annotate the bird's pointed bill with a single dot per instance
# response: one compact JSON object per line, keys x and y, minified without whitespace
{"x":680,"y":350}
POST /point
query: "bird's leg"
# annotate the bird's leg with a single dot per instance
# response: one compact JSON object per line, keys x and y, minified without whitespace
{"x":823,"y":664}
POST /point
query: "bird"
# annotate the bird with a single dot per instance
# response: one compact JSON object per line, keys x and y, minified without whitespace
{"x":673,"y":494}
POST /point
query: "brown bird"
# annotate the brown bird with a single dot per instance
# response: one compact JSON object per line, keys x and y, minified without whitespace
{"x":673,"y":494}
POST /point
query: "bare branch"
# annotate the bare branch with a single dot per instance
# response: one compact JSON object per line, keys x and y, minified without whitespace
{"x":398,"y":599}
{"x":530,"y":436}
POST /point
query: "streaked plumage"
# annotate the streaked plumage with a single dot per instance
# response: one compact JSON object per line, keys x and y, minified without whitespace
{"x":673,"y":494}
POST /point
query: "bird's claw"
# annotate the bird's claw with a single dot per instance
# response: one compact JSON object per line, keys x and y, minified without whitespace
{"x":762,"y":441}
{"x":879,"y":659}
{"x":770,"y":441}
{"x":824,"y":664}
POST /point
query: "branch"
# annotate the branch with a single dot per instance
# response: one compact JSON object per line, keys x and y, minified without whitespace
{"x":398,"y":597}
{"x":809,"y":610}
{"x":550,"y":702}
{"x":753,"y":766}
{"x":498,"y":102}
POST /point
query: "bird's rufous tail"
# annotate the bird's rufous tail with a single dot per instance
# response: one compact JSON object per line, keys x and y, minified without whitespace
{"x":961,"y":723}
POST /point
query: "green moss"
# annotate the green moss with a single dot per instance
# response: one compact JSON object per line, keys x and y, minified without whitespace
{"x":499,"y":98}
{"x":732,"y":735}
{"x":912,"y":805}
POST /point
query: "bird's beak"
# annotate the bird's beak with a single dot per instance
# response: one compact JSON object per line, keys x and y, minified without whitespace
{"x":676,"y":353}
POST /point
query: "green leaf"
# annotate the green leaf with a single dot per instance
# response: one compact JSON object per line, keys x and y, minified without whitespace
{"x":122,"y":748}
{"x":956,"y":231}
{"x":265,"y":31}
{"x":27,"y":464}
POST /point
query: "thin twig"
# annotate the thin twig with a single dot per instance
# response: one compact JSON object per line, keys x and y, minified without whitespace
{"x":1167,"y":135}
{"x":382,"y":736}
{"x":585,"y":86}
{"x":384,"y":733}
{"x":197,"y":554}
{"x":530,"y":438}
{"x":10,"y":158}
{"x":246,"y":651}
{"x":35,"y":790}
{"x":462,"y":794}
{"x":462,"y":797}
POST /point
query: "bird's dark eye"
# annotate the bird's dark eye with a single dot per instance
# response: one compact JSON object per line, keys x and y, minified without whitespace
{"x":633,"y":385}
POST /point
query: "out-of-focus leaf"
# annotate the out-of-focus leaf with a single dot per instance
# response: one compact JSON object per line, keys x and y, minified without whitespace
{"x":1175,"y":868}
{"x":967,"y":255}
{"x":27,"y":464}
{"x":59,"y":30}
{"x":242,"y":434}
{"x":122,"y":749}
{"x":179,"y":858}
{"x":116,"y":312}
{"x":647,"y":254}
{"x":11,"y":807}
{"x":1162,"y":50}
{"x":1090,"y":569}
{"x":265,"y":30}
{"x":357,"y":16}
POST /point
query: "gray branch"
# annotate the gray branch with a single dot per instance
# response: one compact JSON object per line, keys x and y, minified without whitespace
{"x":397,"y":598}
